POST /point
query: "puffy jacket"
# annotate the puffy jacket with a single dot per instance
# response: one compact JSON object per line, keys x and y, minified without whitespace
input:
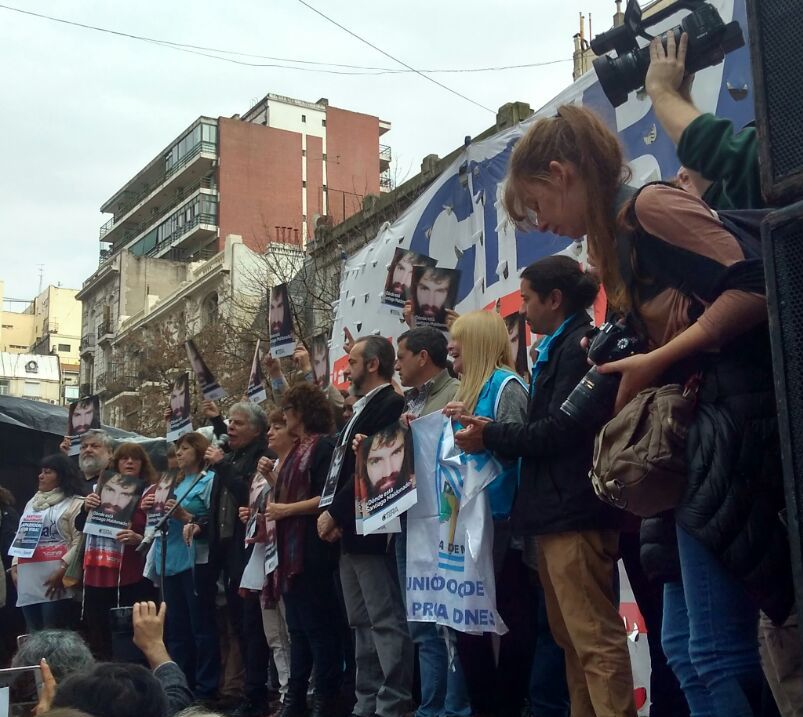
{"x":735,"y":484}
{"x":659,"y":548}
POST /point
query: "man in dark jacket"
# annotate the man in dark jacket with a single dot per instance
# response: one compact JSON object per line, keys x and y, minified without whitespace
{"x":384,"y":651}
{"x":247,"y":431}
{"x":576,"y":535}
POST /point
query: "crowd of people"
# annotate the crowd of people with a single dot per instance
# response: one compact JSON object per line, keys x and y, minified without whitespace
{"x":273,"y":603}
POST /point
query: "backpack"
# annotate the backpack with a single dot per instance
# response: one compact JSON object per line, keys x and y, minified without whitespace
{"x":640,"y":455}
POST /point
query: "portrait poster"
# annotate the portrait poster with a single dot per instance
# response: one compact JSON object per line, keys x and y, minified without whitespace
{"x":384,"y":484}
{"x":119,"y":496}
{"x":330,"y":484}
{"x":320,"y":360}
{"x":28,"y":534}
{"x":84,"y":415}
{"x":517,"y":334}
{"x":210,"y":388}
{"x":433,"y":292}
{"x":280,"y":322}
{"x":180,"y":422}
{"x":256,"y":385}
{"x":162,"y":492}
{"x":400,"y":278}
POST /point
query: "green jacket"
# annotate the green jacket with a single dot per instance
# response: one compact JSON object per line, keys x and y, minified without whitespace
{"x":709,"y":146}
{"x":444,"y":387}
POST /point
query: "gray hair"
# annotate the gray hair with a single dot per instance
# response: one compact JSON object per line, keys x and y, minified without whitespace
{"x":65,"y":652}
{"x":255,"y":413}
{"x":101,"y":436}
{"x":198,"y":711}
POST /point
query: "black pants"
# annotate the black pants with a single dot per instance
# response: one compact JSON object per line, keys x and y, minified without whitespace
{"x":312,"y":621}
{"x":255,"y":650}
{"x":97,"y":604}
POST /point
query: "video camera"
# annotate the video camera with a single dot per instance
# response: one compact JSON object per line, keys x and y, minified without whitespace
{"x":710,"y":39}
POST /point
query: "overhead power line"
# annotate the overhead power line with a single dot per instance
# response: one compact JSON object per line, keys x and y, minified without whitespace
{"x":204,"y":51}
{"x":395,"y":59}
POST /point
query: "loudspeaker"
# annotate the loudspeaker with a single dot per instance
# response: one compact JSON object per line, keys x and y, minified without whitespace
{"x":776,"y":33}
{"x":782,"y":239}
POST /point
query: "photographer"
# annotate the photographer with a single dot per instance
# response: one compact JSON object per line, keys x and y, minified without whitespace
{"x":719,"y":163}
{"x":687,"y":282}
{"x":575,"y":536}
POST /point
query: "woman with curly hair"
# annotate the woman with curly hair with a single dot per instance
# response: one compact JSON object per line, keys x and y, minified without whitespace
{"x":304,"y":578}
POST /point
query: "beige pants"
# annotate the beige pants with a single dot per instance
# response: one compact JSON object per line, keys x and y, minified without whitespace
{"x":780,"y":657}
{"x":576,"y":571}
{"x":275,"y":626}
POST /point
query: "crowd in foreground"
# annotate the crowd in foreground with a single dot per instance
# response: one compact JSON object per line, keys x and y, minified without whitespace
{"x":711,"y":577}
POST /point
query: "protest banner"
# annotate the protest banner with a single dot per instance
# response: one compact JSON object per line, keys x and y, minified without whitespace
{"x":384,"y":485}
{"x":256,"y":385}
{"x":280,"y":322}
{"x":119,"y":496}
{"x":450,"y":575}
{"x":180,"y":422}
{"x":210,"y":388}
{"x":83,"y":415}
{"x":433,"y":292}
{"x":400,"y":278}
{"x":28,"y":534}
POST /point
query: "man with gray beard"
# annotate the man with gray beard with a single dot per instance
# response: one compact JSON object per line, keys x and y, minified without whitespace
{"x":94,"y":458}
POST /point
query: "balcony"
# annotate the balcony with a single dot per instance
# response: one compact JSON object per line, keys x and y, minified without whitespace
{"x":87,"y":344}
{"x":100,"y":382}
{"x":105,"y":332}
{"x":384,"y":158}
{"x":163,"y":183}
{"x":385,"y":182}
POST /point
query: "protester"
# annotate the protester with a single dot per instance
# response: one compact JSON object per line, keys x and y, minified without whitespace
{"x":384,"y":651}
{"x":38,"y":575}
{"x":113,"y":569}
{"x":490,"y":388}
{"x":10,"y":616}
{"x":304,"y":578}
{"x":247,"y":430}
{"x":190,"y":584}
{"x":94,"y":456}
{"x":421,"y":360}
{"x":693,"y":313}
{"x":65,"y":652}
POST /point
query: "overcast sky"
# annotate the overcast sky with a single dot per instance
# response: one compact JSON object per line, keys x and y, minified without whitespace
{"x":83,"y":111}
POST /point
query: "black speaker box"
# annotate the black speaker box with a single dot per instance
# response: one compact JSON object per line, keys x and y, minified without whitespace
{"x":776,"y":52}
{"x":782,"y":239}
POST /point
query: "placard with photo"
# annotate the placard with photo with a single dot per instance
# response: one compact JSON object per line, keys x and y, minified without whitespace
{"x":280,"y":322}
{"x":84,"y":415}
{"x":180,"y":422}
{"x":433,"y":292}
{"x":256,"y":384}
{"x":400,"y":278}
{"x":119,"y":496}
{"x":210,"y":388}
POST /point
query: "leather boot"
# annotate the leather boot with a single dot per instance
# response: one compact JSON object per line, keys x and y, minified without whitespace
{"x":295,"y":705}
{"x":324,"y":706}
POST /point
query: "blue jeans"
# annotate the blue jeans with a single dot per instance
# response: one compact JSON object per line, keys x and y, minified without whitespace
{"x":191,"y":630}
{"x":710,"y":635}
{"x":443,"y":690}
{"x":549,"y":693}
{"x":47,"y":615}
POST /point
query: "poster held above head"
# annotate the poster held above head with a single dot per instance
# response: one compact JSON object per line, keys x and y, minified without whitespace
{"x":433,"y":292}
{"x":280,"y":322}
{"x":180,"y":422}
{"x":320,"y":361}
{"x":384,"y":485}
{"x":119,"y":496}
{"x":400,"y":278}
{"x":210,"y":388}
{"x":256,"y":385}
{"x":84,"y":415}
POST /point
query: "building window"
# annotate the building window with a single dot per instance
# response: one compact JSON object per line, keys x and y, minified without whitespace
{"x":323,"y":123}
{"x":303,"y":217}
{"x":303,"y":152}
{"x":324,"y":156}
{"x":210,"y":309}
{"x":303,"y":183}
{"x":3,"y":387}
{"x":304,"y":118}
{"x":31,"y":389}
{"x":325,"y":190}
{"x":64,"y":347}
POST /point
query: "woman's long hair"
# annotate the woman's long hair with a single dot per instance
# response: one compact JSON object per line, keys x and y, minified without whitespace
{"x":137,"y":452}
{"x":485,"y":347}
{"x":199,"y":444}
{"x":577,"y":136}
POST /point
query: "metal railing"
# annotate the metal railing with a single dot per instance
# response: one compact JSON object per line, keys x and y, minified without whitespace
{"x":87,"y":341}
{"x":384,"y":152}
{"x":105,"y":327}
{"x":203,"y":218}
{"x":385,"y":181}
{"x":134,"y":198}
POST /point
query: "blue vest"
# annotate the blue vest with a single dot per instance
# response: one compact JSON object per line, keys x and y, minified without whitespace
{"x":502,"y":490}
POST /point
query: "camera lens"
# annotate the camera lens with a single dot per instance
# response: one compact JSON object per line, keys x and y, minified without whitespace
{"x":591,"y":401}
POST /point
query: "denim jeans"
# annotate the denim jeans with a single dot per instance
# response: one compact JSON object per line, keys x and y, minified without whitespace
{"x":710,"y":636}
{"x":549,"y":693}
{"x":443,"y":688}
{"x":191,"y":629}
{"x":48,"y":615}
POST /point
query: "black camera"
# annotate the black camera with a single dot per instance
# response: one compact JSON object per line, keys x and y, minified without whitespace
{"x":710,"y":39}
{"x":591,"y":401}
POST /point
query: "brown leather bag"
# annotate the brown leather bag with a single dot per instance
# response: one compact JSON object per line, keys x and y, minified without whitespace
{"x":640,"y":455}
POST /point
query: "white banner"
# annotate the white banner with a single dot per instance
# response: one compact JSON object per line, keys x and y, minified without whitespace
{"x":450,"y":575}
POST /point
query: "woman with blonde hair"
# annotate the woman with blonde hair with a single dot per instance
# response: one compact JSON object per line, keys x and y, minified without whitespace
{"x":696,"y":295}
{"x":490,"y":389}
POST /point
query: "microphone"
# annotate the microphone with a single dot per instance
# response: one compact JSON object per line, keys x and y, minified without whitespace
{"x":219,"y":442}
